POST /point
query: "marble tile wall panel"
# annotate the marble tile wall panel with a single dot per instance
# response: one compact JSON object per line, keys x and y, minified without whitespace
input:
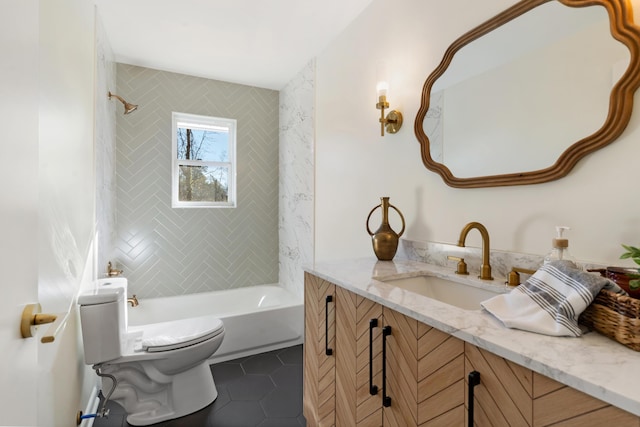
{"x":296,"y":178}
{"x":105,"y":152}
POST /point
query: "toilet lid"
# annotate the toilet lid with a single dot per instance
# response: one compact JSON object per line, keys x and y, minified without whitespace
{"x":176,"y":334}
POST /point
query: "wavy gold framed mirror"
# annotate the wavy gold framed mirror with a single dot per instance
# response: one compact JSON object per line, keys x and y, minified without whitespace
{"x":474,"y":134}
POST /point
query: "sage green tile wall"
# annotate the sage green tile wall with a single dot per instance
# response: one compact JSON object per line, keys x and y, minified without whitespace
{"x":166,"y":251}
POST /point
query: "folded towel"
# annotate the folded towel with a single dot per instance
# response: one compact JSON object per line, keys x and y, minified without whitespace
{"x":551,"y":301}
{"x":613,"y":287}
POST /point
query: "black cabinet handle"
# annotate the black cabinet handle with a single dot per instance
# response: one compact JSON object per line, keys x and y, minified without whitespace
{"x":474,"y":380}
{"x":373,"y":389}
{"x":386,"y":400}
{"x":328,"y":351}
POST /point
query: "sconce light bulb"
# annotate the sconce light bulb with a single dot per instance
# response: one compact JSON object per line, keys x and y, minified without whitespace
{"x":382,"y":88}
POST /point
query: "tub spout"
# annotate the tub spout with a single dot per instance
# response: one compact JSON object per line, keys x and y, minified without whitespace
{"x":133,"y":301}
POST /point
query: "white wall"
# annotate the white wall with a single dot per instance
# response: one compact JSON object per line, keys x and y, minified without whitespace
{"x":66,"y":132}
{"x":66,"y":194}
{"x":355,"y":166}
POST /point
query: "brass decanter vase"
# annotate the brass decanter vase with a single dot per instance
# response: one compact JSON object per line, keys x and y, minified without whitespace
{"x":385,"y":240}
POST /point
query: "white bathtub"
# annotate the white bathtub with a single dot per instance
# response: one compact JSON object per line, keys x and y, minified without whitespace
{"x":256,"y":318}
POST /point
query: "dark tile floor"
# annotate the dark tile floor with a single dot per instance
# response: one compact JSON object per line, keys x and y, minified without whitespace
{"x":264,"y":390}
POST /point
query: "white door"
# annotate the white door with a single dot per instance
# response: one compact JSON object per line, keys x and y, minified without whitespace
{"x":18,"y":207}
{"x":46,"y":198}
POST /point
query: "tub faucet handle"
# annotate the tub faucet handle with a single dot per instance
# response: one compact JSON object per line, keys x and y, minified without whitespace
{"x":112,"y":272}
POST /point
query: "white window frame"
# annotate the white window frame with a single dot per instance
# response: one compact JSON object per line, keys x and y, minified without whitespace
{"x":202,"y":122}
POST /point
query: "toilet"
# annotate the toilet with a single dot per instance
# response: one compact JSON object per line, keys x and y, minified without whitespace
{"x":160,"y":369}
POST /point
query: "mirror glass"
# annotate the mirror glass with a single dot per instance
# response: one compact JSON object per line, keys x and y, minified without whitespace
{"x":515,"y":99}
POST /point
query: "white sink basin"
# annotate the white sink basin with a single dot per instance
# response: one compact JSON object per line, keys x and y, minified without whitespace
{"x":458,"y":294}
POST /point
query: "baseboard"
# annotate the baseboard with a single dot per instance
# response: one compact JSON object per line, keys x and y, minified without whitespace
{"x":92,"y":407}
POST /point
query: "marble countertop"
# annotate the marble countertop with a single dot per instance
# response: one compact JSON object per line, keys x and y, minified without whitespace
{"x":593,"y":363}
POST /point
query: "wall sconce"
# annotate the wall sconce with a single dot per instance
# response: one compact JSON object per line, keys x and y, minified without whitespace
{"x":393,"y":121}
{"x":128,"y":108}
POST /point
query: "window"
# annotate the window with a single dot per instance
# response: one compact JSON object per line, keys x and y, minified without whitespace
{"x":203,"y":161}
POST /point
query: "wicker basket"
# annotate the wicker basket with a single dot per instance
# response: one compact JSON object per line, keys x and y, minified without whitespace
{"x":615,"y":316}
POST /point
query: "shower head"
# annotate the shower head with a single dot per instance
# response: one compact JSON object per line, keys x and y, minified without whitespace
{"x":127,"y":107}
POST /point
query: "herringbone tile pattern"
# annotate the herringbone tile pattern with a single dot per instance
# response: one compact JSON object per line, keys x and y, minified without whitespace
{"x":166,"y":251}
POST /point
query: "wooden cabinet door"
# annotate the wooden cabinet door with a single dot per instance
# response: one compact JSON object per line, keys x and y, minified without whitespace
{"x":425,"y":374}
{"x":319,"y":367}
{"x":504,"y":396}
{"x":440,"y":378}
{"x":424,"y":368}
{"x":558,"y":405}
{"x":401,"y":366}
{"x":510,"y":395}
{"x":355,"y":405}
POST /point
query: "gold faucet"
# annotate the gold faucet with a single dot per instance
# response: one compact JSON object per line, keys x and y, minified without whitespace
{"x":112,"y":272}
{"x":133,"y":301}
{"x":485,"y":268}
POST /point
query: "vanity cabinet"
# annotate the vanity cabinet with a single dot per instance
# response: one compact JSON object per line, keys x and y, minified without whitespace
{"x":425,"y":374}
{"x":509,"y":395}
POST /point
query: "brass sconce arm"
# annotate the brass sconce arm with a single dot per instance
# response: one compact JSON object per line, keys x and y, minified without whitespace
{"x":393,"y":121}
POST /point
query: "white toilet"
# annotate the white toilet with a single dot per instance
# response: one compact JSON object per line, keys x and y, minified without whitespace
{"x":161,"y":369}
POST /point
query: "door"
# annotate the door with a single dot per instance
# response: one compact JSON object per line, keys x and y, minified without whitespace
{"x":18,"y":207}
{"x":47,"y":192}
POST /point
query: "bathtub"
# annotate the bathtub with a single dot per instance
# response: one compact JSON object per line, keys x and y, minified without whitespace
{"x":256,"y":318}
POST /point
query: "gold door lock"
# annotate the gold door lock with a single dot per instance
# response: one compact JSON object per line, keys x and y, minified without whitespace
{"x":31,"y":317}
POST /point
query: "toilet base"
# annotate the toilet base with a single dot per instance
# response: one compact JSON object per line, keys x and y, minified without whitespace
{"x":149,"y":401}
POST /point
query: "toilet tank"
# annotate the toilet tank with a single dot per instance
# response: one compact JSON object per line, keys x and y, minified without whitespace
{"x":102,"y":319}
{"x":116,"y":282}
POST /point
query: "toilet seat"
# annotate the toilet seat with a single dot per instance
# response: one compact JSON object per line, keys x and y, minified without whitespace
{"x":166,"y":336}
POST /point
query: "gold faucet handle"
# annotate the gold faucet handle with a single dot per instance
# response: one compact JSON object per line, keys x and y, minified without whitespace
{"x":462,"y":266}
{"x":112,"y":272}
{"x":513,"y":279}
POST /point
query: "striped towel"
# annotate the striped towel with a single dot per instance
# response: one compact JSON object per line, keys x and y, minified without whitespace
{"x":550,"y":302}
